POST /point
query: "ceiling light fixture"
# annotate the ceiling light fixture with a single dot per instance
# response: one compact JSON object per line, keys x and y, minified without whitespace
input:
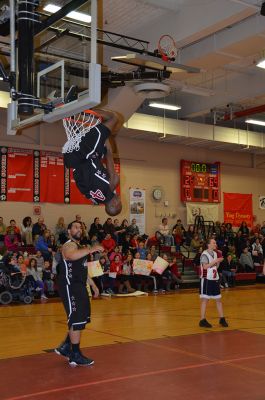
{"x":255,"y":122}
{"x":52,"y":8}
{"x":165,"y":106}
{"x":200,"y":91}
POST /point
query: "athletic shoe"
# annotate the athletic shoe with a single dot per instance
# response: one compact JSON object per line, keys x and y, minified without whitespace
{"x":110,"y":291}
{"x":105,"y":294}
{"x":222,"y":286}
{"x":63,"y":350}
{"x":77,"y":359}
{"x":223,"y":322}
{"x":204,"y":323}
{"x":155,"y":291}
{"x":226,"y":285}
{"x":43,"y":297}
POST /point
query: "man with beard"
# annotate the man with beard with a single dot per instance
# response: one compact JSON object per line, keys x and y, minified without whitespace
{"x":72,"y":281}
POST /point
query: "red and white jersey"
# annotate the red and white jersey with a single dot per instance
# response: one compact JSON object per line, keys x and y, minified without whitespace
{"x":210,"y":273}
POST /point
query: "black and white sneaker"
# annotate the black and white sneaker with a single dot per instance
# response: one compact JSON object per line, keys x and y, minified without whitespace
{"x":63,"y":350}
{"x":78,"y":360}
{"x":204,"y":323}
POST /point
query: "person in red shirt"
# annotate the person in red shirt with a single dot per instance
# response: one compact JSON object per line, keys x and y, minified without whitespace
{"x":114,"y":253}
{"x":108,"y":243}
{"x":134,"y":244}
{"x":176,"y":276}
{"x":116,"y":267}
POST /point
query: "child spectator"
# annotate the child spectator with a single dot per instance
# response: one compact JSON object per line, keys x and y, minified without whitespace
{"x":26,"y":231}
{"x":246,"y":260}
{"x":108,"y":243}
{"x":142,"y":250}
{"x":176,"y":276}
{"x":114,"y":253}
{"x":47,"y":277}
{"x":40,"y":262}
{"x":134,"y":244}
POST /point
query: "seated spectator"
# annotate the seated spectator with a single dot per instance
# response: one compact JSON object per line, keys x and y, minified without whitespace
{"x":22,"y":264}
{"x":47,"y":277}
{"x":123,"y":233}
{"x":12,"y":229}
{"x":32,"y":271}
{"x":189,"y":235}
{"x":196,"y":243}
{"x":108,"y":227}
{"x":126,"y":244}
{"x":179,"y":224}
{"x":141,"y":249}
{"x":53,"y":243}
{"x":60,"y":232}
{"x":125,"y":275}
{"x":2,"y":231}
{"x":134,"y":244}
{"x":44,"y":245}
{"x":114,"y":253}
{"x":153,"y":252}
{"x":231,"y":251}
{"x":12,"y":242}
{"x":133,"y":229}
{"x":176,"y":275}
{"x":229,"y":234}
{"x":228,"y":269}
{"x":38,"y":228}
{"x":108,"y":243}
{"x":246,"y":260}
{"x":178,"y":235}
{"x":96,"y":229}
{"x":240,"y":243}
{"x":40,"y":262}
{"x":165,"y":231}
{"x":26,"y":231}
{"x":244,"y":229}
{"x":117,"y":230}
{"x":257,"y":252}
{"x":217,"y":228}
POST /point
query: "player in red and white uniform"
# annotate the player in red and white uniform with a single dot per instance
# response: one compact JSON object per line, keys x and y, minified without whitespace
{"x":209,"y":287}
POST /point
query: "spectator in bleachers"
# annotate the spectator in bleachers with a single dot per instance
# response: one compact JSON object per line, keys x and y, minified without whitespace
{"x":38,"y":228}
{"x":153,"y":252}
{"x":134,"y":244}
{"x":12,"y":229}
{"x":189,"y":235}
{"x":240,"y":243}
{"x":11,"y":242}
{"x":2,"y":231}
{"x":228,"y":269}
{"x":164,"y":229}
{"x":141,"y":249}
{"x":53,"y":243}
{"x":26,"y":231}
{"x":229,"y":234}
{"x":96,"y":229}
{"x":196,"y":243}
{"x":217,"y":228}
{"x":176,"y":275}
{"x":114,"y":253}
{"x":133,"y":229}
{"x":108,"y":243}
{"x":124,"y":277}
{"x":244,"y":229}
{"x":32,"y":271}
{"x":47,"y":277}
{"x":124,"y":227}
{"x":44,"y":245}
{"x":126,"y":244}
{"x":60,"y":232}
{"x":246,"y":260}
{"x":39,"y":260}
{"x":78,"y":218}
{"x":117,"y":230}
{"x":257,"y":252}
{"x":21,"y":264}
{"x":108,"y":227}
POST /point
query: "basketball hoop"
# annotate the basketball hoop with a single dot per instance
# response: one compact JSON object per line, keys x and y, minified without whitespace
{"x":167,"y":48}
{"x":77,"y":126}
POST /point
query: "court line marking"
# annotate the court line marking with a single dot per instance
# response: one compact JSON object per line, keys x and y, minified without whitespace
{"x":133,"y":376}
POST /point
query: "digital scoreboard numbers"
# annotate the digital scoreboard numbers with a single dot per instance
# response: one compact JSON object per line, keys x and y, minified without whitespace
{"x":200,"y":182}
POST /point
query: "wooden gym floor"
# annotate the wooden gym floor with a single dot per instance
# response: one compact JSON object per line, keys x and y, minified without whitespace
{"x":145,"y":348}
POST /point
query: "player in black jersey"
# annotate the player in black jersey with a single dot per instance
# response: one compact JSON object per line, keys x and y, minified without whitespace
{"x":96,"y":182}
{"x":72,"y":281}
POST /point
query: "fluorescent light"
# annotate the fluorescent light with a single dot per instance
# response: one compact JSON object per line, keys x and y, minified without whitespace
{"x":200,"y":91}
{"x":261,"y":63}
{"x":1,"y":78}
{"x":52,"y":8}
{"x":165,"y":106}
{"x":255,"y":121}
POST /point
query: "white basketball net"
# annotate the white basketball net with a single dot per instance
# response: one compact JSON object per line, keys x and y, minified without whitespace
{"x":76,"y":128}
{"x":167,"y":46}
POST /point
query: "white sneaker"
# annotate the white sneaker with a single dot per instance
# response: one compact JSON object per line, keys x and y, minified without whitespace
{"x":226,"y":285}
{"x":43,"y":297}
{"x":105,"y":294}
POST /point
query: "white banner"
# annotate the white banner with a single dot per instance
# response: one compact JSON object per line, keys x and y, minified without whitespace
{"x":137,"y":208}
{"x":210,"y":212}
{"x":262,"y":202}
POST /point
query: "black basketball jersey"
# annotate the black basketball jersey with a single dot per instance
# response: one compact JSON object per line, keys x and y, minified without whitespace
{"x":71,"y":272}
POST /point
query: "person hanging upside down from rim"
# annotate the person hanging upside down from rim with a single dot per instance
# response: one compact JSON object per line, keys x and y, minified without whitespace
{"x":84,"y":153}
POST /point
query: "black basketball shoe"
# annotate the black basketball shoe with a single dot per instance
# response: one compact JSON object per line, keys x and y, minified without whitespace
{"x":223,"y":322}
{"x":78,"y":360}
{"x":204,"y":323}
{"x":63,"y":350}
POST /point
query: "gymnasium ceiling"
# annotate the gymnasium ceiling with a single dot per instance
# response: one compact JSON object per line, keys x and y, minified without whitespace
{"x":224,"y":38}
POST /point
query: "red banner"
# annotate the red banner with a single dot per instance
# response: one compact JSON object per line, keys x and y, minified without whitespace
{"x":51,"y":177}
{"x":19,"y":175}
{"x":238,"y":208}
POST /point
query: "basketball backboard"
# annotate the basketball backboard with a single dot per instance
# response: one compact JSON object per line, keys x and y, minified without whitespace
{"x":65,"y":54}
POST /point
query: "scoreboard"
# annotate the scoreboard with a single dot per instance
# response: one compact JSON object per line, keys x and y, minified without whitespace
{"x":200,"y":182}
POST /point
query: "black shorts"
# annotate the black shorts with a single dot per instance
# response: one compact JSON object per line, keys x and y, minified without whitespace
{"x":209,"y":289}
{"x":92,"y":180}
{"x":92,"y":145}
{"x":76,"y":303}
